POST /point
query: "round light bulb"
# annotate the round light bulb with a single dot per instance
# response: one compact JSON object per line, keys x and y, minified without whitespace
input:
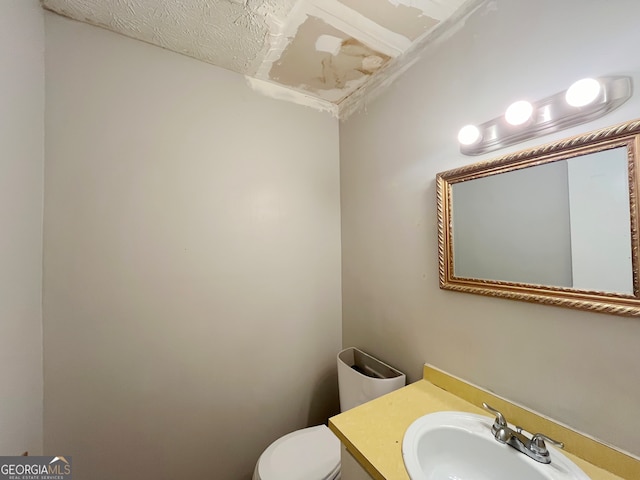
{"x":468,"y":135}
{"x":583,"y":92}
{"x":518,"y":112}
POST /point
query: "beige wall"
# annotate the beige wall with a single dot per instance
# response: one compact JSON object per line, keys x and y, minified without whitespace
{"x":578,"y":367}
{"x":192,"y":262}
{"x":21,"y":167}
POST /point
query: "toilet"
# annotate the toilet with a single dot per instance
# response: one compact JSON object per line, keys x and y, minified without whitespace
{"x":313,"y":453}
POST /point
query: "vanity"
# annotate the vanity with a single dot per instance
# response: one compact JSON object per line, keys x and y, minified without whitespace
{"x":372,"y":434}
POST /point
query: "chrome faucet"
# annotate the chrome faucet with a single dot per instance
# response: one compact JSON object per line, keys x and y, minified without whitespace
{"x":534,"y":447}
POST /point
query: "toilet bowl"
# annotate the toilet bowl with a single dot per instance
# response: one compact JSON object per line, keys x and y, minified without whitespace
{"x":313,"y":453}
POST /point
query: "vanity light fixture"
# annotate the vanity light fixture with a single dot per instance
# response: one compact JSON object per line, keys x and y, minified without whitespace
{"x":585,"y":100}
{"x":583,"y":92}
{"x":518,"y":113}
{"x":468,"y":135}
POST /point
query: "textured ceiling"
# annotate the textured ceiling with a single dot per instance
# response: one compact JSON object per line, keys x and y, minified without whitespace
{"x":317,"y":52}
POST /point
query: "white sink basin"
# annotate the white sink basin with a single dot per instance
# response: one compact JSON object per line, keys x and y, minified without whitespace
{"x":460,"y":446}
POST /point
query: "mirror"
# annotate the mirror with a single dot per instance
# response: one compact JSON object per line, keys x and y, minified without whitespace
{"x":555,"y":224}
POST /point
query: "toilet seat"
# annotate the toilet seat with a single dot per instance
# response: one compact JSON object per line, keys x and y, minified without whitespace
{"x":309,"y":454}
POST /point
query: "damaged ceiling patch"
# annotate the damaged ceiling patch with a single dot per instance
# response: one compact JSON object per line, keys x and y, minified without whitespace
{"x":331,"y":76}
{"x":411,"y":22}
{"x":329,"y":44}
{"x":438,"y":9}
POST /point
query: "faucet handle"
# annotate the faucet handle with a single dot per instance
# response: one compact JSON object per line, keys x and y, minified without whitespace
{"x":538,"y":446}
{"x":500,"y":421}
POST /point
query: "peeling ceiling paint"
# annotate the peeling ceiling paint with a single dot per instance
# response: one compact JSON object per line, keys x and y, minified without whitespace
{"x":317,"y":53}
{"x":406,"y":20}
{"x":329,"y":76}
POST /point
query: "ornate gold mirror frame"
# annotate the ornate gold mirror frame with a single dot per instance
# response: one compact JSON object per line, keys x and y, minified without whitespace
{"x":625,"y":135}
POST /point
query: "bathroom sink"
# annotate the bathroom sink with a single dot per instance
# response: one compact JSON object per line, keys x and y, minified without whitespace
{"x":460,"y":446}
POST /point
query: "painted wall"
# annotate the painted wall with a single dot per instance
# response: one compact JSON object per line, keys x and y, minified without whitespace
{"x":192,"y":262}
{"x":586,"y":364}
{"x":21,"y":172}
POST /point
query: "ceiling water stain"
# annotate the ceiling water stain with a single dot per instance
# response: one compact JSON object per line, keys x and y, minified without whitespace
{"x":352,"y":61}
{"x":303,"y":65}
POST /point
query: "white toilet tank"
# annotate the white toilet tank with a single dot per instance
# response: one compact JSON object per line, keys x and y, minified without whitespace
{"x":362,"y":378}
{"x":314,"y":453}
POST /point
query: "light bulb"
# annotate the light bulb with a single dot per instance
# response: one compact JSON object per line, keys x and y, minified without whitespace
{"x":518,"y":112}
{"x":468,"y":135}
{"x":583,"y":92}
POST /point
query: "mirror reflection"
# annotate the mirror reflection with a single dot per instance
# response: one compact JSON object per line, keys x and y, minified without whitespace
{"x":564,"y":223}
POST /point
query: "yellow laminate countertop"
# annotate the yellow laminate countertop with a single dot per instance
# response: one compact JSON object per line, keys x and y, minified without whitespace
{"x":373,"y":431}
